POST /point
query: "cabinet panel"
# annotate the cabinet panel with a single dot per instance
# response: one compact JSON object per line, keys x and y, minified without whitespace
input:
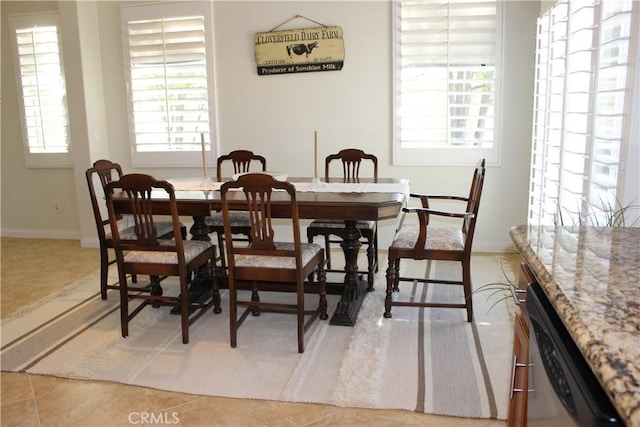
{"x":519,"y":373}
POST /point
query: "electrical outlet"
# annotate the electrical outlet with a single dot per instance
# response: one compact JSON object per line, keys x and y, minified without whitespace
{"x":57,"y":206}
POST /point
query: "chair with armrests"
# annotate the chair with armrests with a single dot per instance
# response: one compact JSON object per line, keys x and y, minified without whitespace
{"x":242,"y":162}
{"x":98,"y":176}
{"x":267,"y":263}
{"x":424,"y":241}
{"x":351,"y":159}
{"x":146,"y":254}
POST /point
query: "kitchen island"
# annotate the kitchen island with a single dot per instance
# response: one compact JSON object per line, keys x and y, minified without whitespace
{"x":591,"y":276}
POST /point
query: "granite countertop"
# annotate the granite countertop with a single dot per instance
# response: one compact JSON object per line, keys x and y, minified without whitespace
{"x":592,"y":277}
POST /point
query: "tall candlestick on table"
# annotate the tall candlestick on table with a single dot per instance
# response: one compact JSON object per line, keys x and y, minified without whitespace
{"x":204,"y":156}
{"x":315,"y":153}
{"x":206,"y":182}
{"x":316,"y":179}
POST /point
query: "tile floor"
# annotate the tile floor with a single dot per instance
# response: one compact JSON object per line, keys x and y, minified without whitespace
{"x":34,"y":400}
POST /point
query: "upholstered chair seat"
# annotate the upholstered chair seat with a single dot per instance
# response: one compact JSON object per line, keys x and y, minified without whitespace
{"x":438,"y":238}
{"x":236,"y":219}
{"x":192,"y":248}
{"x":162,"y":228}
{"x":308,"y":251}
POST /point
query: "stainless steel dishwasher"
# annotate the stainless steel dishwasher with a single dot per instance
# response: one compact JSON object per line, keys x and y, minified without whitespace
{"x":563,"y":391}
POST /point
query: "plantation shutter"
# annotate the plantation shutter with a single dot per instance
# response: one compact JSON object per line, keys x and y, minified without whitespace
{"x":446,"y":58}
{"x":459,"y":32}
{"x":42,"y":88}
{"x":168,"y":60}
{"x":582,"y":111}
{"x":168,"y":83}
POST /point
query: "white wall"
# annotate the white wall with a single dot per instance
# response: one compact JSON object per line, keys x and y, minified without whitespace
{"x":28,"y":194}
{"x":277,"y":115}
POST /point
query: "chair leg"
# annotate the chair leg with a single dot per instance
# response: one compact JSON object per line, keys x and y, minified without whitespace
{"x":221,"y":247}
{"x":327,"y":250}
{"x":466,"y":283}
{"x":255,"y":297}
{"x":216,"y":289}
{"x":375,"y":245}
{"x":391,"y":284}
{"x":184,"y":308}
{"x":372,"y":265}
{"x":124,"y":306}
{"x":104,"y":271}
{"x":322,"y":279}
{"x":156,"y":289}
{"x":300,"y":316}
{"x":396,"y":284}
{"x":233,"y":316}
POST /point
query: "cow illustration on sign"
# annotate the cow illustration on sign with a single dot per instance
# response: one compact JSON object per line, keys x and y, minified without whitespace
{"x":301,"y":48}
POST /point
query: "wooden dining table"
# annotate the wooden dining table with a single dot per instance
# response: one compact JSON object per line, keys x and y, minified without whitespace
{"x":368,"y":201}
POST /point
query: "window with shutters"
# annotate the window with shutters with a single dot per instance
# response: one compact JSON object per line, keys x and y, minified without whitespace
{"x":447,"y":60}
{"x":582,"y":110}
{"x":169,"y":65}
{"x":42,"y":93}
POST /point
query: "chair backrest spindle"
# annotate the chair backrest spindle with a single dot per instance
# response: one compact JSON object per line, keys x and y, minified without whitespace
{"x":142,"y":213}
{"x":262,"y":233}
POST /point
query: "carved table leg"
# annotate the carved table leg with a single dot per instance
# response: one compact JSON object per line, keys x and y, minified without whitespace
{"x":199,"y":229}
{"x":354,"y":289}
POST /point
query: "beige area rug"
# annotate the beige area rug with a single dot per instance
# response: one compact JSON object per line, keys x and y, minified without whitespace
{"x":425,"y":360}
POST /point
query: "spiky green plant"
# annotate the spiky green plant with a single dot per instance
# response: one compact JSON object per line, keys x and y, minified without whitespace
{"x":499,"y":288}
{"x":607,"y":214}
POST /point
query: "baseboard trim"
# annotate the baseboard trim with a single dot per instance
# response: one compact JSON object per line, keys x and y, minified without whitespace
{"x":40,"y":233}
{"x":89,"y":242}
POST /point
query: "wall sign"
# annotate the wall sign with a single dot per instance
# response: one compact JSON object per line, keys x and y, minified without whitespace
{"x":299,"y":51}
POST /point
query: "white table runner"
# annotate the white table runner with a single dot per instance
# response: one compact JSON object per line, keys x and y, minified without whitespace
{"x":328,"y":187}
{"x":188,"y":184}
{"x":348,"y":187}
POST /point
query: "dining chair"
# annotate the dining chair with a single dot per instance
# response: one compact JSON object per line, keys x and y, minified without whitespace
{"x":424,"y":241}
{"x":145,"y":254}
{"x":351,"y":160}
{"x":98,"y":176}
{"x":239,"y":161}
{"x":269,"y":264}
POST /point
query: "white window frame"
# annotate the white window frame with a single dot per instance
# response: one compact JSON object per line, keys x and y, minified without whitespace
{"x":156,"y":11}
{"x":450,"y":155}
{"x":56,"y":123}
